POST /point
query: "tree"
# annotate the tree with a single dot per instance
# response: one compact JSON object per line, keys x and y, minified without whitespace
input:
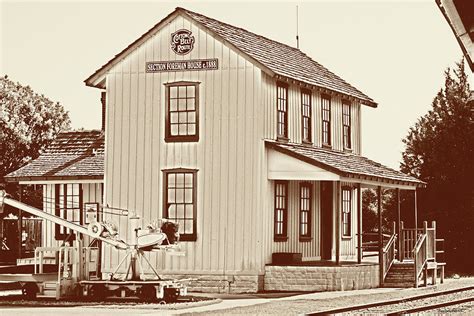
{"x":29,"y":121}
{"x":439,"y":151}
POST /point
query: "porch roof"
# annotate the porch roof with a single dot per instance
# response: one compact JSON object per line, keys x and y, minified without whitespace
{"x":345,"y":166}
{"x":76,"y":155}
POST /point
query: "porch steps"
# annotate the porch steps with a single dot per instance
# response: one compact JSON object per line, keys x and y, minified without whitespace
{"x":401,"y":274}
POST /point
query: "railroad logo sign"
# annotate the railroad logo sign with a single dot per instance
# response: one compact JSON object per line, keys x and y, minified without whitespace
{"x":182,"y":42}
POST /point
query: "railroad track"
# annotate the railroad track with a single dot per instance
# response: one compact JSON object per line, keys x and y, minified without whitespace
{"x":407,"y":305}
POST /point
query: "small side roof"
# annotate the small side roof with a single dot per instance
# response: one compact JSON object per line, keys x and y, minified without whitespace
{"x":346,"y":165}
{"x":278,"y":59}
{"x":72,"y":155}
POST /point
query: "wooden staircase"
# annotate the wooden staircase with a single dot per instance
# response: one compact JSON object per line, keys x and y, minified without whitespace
{"x":400,"y":274}
{"x":417,"y":257}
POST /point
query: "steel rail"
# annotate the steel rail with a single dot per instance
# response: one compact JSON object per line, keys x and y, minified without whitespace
{"x":432,"y":306}
{"x":389,"y":302}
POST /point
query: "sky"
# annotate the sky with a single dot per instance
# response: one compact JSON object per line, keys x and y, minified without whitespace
{"x":394,"y":51}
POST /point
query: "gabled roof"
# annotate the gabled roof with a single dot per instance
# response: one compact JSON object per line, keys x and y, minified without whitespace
{"x":345,"y":164}
{"x":72,"y":155}
{"x":276,"y":58}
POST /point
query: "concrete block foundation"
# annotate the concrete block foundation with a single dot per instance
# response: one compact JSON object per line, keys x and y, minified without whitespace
{"x":320,"y":278}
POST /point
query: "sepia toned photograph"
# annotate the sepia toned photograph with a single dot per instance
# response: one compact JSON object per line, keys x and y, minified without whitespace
{"x":236,"y":158}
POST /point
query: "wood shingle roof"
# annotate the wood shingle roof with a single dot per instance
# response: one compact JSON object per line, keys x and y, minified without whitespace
{"x":279,"y":59}
{"x":72,"y":155}
{"x":345,"y":164}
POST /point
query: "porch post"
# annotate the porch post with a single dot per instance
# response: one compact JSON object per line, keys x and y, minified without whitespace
{"x":359,"y":223}
{"x":416,"y":216}
{"x":379,"y":214}
{"x":338,"y":220}
{"x":398,"y":231}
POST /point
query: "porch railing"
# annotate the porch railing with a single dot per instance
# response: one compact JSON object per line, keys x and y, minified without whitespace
{"x":410,"y":236}
{"x":389,"y":254}
{"x":420,"y":255}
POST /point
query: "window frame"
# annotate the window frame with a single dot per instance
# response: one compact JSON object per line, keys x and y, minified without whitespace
{"x":346,"y":216}
{"x":346,"y":104}
{"x":284,"y":136}
{"x":309,"y":128}
{"x":181,"y":138}
{"x":58,"y":235}
{"x":284,"y":234}
{"x":308,"y":235}
{"x":166,"y":172}
{"x":323,"y":110}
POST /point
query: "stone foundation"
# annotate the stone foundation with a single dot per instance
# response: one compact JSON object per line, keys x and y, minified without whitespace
{"x":222,"y":283}
{"x":318,"y":278}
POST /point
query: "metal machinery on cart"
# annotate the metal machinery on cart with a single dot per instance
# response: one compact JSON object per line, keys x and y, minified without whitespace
{"x":73,"y":270}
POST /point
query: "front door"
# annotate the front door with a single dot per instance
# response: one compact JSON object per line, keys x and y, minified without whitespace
{"x":326,"y":219}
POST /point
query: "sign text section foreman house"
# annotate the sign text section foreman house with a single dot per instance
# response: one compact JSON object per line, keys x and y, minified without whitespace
{"x":184,"y":65}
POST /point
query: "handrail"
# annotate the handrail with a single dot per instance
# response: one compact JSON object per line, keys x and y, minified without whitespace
{"x":419,"y":243}
{"x":389,"y":254}
{"x":420,"y":256}
{"x":390,"y":242}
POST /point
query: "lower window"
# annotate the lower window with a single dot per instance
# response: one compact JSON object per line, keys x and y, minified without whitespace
{"x":346,"y":211}
{"x":281,"y":210}
{"x":305,"y":210}
{"x":180,"y":201}
{"x":68,"y":205}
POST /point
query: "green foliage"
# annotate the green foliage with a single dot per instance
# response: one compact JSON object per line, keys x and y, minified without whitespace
{"x":29,"y":121}
{"x":439,"y":151}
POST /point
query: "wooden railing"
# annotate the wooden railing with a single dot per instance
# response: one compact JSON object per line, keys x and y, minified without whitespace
{"x":408,"y":239}
{"x":389,"y":254}
{"x":420,"y":255}
{"x":370,"y":243}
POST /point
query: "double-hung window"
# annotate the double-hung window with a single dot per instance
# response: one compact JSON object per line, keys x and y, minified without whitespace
{"x":180,"y":200}
{"x":182,"y":112}
{"x":281,"y":211}
{"x":346,"y":124}
{"x":346,"y":211}
{"x":282,"y":110}
{"x":305,"y":211}
{"x":326,"y":121}
{"x":68,"y":205}
{"x":306,"y":115}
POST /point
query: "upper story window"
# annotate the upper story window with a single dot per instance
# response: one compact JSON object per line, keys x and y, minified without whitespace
{"x":68,"y":205}
{"x":306,"y":116}
{"x":282,"y":110}
{"x":281,"y":211}
{"x":182,"y":112}
{"x":305,"y":211}
{"x":326,"y":119}
{"x":346,"y":211}
{"x":346,"y":124}
{"x":180,"y":201}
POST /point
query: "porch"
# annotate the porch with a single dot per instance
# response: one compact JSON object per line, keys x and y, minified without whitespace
{"x":345,"y":259}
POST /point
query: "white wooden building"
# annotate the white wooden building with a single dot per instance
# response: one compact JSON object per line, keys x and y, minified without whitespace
{"x":252,"y":146}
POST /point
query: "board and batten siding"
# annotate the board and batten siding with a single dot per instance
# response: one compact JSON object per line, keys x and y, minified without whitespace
{"x":91,"y":193}
{"x":229,"y":156}
{"x":310,"y":250}
{"x":269,"y":92}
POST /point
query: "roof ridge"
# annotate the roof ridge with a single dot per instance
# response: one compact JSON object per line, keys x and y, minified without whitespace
{"x":241,"y":28}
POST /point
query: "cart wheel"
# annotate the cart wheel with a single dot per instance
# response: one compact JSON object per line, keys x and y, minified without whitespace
{"x":171,"y":295}
{"x":29,"y":291}
{"x":147,"y":293}
{"x":97,"y":292}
